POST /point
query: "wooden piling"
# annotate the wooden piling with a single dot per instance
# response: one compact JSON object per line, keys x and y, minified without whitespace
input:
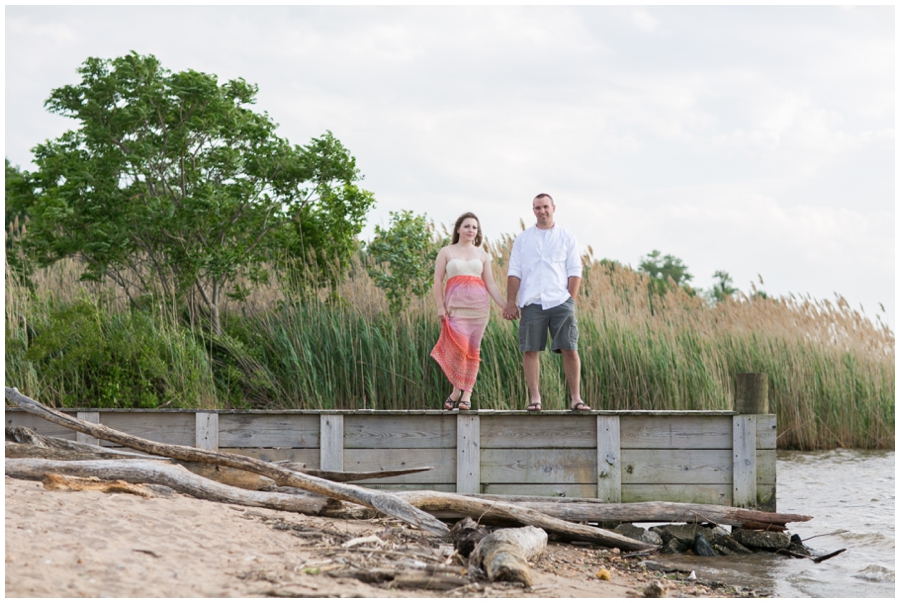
{"x":751,"y":400}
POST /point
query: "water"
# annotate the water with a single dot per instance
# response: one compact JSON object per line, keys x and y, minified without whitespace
{"x":846,"y":491}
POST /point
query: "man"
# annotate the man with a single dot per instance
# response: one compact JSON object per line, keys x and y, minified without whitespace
{"x":543,"y":280}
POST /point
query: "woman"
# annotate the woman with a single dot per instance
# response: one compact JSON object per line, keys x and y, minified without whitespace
{"x":463,"y":307}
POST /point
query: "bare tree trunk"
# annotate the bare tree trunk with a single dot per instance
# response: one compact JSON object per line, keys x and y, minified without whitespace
{"x":504,"y":554}
{"x":176,"y":477}
{"x":496,"y":510}
{"x":386,"y":503}
{"x":586,"y":509}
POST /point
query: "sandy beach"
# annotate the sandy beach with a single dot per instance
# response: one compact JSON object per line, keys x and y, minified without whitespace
{"x":97,"y":544}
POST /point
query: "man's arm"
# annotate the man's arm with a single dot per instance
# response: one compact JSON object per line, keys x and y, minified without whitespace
{"x":511,"y":310}
{"x":573,"y":267}
{"x":573,"y":284}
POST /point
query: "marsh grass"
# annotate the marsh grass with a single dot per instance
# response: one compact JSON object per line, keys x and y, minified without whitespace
{"x":831,"y":369}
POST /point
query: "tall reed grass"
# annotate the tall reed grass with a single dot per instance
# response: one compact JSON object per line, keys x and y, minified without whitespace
{"x":831,"y":370}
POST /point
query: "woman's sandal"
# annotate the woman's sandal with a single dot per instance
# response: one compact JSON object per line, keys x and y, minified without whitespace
{"x":580,"y":407}
{"x":533,"y":407}
{"x":463,"y":405}
{"x":450,"y":403}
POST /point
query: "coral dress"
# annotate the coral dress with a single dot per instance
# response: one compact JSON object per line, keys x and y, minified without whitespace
{"x":458,"y":350}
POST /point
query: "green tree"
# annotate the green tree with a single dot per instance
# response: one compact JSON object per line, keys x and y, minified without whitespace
{"x":665,"y":271}
{"x":327,"y":230}
{"x":724,"y":287}
{"x":19,"y":195}
{"x":404,"y":255}
{"x":173,"y":185}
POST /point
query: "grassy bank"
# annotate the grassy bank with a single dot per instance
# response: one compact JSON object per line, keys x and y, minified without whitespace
{"x":831,"y":371}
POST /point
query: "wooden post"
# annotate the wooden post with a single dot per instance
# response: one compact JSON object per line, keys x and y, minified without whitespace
{"x":207,"y":430}
{"x":468,"y":454}
{"x":331,"y":442}
{"x":609,"y":459}
{"x":91,"y":416}
{"x":751,"y":399}
{"x":751,"y":396}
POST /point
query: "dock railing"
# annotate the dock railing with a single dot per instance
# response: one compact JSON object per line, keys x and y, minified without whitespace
{"x":713,"y":457}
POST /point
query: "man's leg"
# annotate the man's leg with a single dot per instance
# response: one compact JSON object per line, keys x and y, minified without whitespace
{"x":572,"y":366}
{"x":564,"y":331}
{"x":532,"y":365}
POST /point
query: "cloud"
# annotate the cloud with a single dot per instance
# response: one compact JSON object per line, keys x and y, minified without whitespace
{"x":768,"y":126}
{"x":644,"y":20}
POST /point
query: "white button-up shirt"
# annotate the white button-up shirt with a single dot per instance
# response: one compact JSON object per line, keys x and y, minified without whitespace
{"x":544,"y":260}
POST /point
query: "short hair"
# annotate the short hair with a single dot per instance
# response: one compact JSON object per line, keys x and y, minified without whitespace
{"x":542,"y":195}
{"x":459,"y":221}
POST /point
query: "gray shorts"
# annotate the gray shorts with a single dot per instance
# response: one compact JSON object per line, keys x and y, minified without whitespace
{"x":559,"y":320}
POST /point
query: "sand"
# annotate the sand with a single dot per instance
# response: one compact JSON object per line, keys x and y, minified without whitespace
{"x":96,"y":544}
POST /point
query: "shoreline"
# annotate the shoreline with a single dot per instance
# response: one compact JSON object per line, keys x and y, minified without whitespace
{"x":95,"y":544}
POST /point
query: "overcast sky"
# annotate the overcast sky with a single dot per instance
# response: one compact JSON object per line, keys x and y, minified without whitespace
{"x":756,"y":140}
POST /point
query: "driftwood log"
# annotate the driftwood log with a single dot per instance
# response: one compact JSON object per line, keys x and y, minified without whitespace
{"x":22,"y":442}
{"x":504,"y":554}
{"x":586,"y":509}
{"x":348,"y":476}
{"x":497,"y":510}
{"x":54,"y":481}
{"x":88,"y":452}
{"x":174,"y":476}
{"x":386,"y":503}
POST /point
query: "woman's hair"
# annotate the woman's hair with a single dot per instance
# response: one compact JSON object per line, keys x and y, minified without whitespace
{"x":459,"y":222}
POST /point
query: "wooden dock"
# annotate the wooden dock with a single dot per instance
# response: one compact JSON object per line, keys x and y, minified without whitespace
{"x":714,"y":457}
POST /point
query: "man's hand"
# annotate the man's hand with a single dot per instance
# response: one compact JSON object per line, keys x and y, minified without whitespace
{"x":511,"y":311}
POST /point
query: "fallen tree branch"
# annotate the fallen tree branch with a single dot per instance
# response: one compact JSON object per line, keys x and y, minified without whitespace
{"x":54,"y":481}
{"x":504,"y":554}
{"x":348,"y":476}
{"x":497,"y":510}
{"x":586,"y":509}
{"x":22,"y":442}
{"x":386,"y":503}
{"x":174,"y":476}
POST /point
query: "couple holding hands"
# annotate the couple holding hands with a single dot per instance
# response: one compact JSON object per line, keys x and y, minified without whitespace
{"x":542,"y":284}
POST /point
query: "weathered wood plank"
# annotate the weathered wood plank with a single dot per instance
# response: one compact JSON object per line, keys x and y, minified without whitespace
{"x":163,"y":427}
{"x":538,"y":431}
{"x":404,"y":431}
{"x":609,"y":459}
{"x":766,"y":432}
{"x":712,"y":494}
{"x":91,"y":416}
{"x":765,"y":467}
{"x":468,"y":454}
{"x":19,"y":418}
{"x":558,"y":490}
{"x":744,"y":458}
{"x":690,"y":432}
{"x":207,"y":426}
{"x":307,"y":456}
{"x":442,"y":459}
{"x":268,"y":430}
{"x":331,"y":438}
{"x":499,"y":466}
{"x":676,"y":466}
{"x":372,"y":485}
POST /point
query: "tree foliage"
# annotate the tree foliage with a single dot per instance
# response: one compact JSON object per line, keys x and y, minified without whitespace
{"x":172,"y":185}
{"x":665,"y":271}
{"x":404,"y":255}
{"x":723,"y":288}
{"x":19,"y":197}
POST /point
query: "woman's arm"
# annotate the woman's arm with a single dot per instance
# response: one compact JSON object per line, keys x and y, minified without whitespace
{"x":440,"y":269}
{"x":487,"y":275}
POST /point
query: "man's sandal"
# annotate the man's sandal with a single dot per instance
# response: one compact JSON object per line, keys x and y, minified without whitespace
{"x":533,"y":407}
{"x":580,"y":407}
